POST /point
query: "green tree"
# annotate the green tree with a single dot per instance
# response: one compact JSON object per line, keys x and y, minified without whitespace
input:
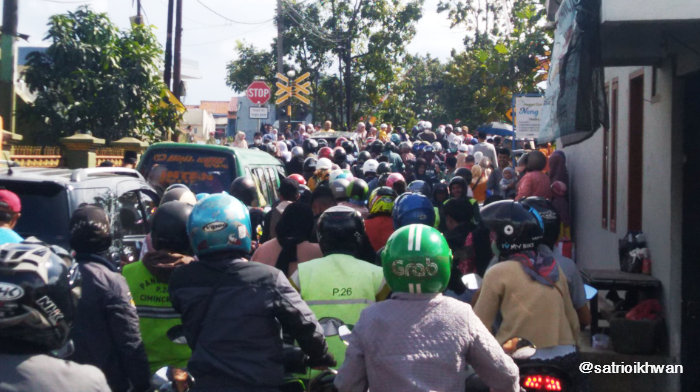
{"x":96,"y":78}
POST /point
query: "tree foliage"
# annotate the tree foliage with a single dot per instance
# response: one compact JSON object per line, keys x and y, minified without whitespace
{"x":96,"y":78}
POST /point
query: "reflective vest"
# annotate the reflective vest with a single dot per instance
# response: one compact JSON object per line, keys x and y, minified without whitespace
{"x":339,"y":286}
{"x":156,"y":317}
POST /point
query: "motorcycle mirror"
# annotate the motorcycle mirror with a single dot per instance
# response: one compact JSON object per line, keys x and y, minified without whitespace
{"x":160,"y":377}
{"x":330,"y":325}
{"x":64,"y":352}
{"x":472,"y":281}
{"x":590,"y":292}
{"x":344,"y":332}
{"x":519,"y":348}
{"x":176,"y":334}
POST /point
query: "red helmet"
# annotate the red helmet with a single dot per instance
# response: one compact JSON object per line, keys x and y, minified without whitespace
{"x":298,"y":178}
{"x":394,"y":177}
{"x":325,"y":152}
{"x":339,"y":141}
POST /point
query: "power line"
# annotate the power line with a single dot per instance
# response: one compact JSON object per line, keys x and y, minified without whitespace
{"x":302,"y":26}
{"x":231,"y":20}
{"x":190,"y":19}
{"x":227,"y":38}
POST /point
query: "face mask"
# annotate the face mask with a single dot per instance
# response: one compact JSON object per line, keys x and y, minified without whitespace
{"x":258,"y":142}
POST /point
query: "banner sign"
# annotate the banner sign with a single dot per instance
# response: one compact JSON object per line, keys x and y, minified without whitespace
{"x":259,"y":112}
{"x":528,"y":113}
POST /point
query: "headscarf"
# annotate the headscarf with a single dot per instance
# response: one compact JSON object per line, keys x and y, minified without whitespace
{"x":476,"y":174}
{"x":478,"y":156}
{"x":558,"y":172}
{"x":283,"y":152}
{"x":294,"y":227}
{"x":239,"y":141}
{"x":540,"y":265}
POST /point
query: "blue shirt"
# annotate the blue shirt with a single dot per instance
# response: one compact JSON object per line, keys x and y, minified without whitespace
{"x":8,"y":236}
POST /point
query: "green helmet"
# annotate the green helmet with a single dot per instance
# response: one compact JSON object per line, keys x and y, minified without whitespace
{"x":417,"y":259}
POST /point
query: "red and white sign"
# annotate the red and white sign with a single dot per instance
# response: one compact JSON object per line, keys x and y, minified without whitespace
{"x":258,"y":92}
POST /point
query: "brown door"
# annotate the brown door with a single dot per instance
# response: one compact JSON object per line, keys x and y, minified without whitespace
{"x":636,"y":154}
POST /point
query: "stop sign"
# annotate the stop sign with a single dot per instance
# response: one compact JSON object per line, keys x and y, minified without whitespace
{"x":258,"y":92}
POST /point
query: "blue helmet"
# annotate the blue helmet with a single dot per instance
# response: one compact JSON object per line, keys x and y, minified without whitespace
{"x":200,"y":196}
{"x":395,"y":138}
{"x":219,"y":223}
{"x":411,"y":208}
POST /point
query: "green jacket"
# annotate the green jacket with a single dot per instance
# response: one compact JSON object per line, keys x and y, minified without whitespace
{"x":156,"y":317}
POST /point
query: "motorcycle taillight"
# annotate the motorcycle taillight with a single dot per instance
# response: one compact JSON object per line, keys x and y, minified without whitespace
{"x":541,"y":383}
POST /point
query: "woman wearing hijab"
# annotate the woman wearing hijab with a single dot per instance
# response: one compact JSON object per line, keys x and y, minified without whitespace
{"x":560,"y":196}
{"x":292,"y":245}
{"x":239,"y":141}
{"x":478,"y":184}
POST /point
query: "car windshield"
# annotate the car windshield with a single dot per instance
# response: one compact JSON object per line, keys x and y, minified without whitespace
{"x":203,"y":171}
{"x":45,"y":211}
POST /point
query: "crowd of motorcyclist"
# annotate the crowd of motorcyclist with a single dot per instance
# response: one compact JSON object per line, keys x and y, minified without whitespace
{"x":377,"y":231}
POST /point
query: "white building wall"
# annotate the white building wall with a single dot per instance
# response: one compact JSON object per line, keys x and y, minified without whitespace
{"x":597,"y":247}
{"x":649,"y":10}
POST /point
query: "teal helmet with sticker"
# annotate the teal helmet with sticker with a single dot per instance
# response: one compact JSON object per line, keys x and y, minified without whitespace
{"x":219,"y":223}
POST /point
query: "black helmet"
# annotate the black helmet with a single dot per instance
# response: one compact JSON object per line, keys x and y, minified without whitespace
{"x":339,"y":188}
{"x":419,"y":186}
{"x":348,"y":147}
{"x":169,"y":230}
{"x":536,"y":161}
{"x":381,"y":180}
{"x":322,"y":143}
{"x":39,"y":295}
{"x":340,"y":230}
{"x":517,"y":227}
{"x":550,"y":218}
{"x":304,"y":194}
{"x":390,"y":146}
{"x":358,"y":190}
{"x":363,"y":157}
{"x":243,"y":189}
{"x":457,"y":180}
{"x":384,"y":167}
{"x":377,"y":146}
{"x":173,"y":186}
{"x":522,"y":161}
{"x":464,"y":173}
{"x":339,"y":156}
{"x":178,"y":194}
{"x":310,"y":165}
{"x":310,"y":146}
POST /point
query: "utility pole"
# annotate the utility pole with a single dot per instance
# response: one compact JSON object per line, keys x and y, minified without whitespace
{"x":280,"y":38}
{"x":177,"y":77}
{"x":168,"y":72}
{"x":7,"y":65}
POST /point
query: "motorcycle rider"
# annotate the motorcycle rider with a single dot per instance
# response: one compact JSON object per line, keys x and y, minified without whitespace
{"x":106,"y":326}
{"x":339,"y":284}
{"x":37,"y":308}
{"x":323,"y":169}
{"x":148,"y":282}
{"x":233,"y":310}
{"x":288,"y":194}
{"x":357,"y":192}
{"x":394,"y":159}
{"x":379,"y":224}
{"x":296,"y":164}
{"x":420,"y":340}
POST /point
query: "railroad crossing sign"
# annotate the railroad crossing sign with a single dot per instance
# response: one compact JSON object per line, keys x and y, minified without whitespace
{"x":292,"y":89}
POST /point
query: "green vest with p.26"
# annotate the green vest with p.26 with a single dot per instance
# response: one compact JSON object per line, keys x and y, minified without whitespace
{"x":156,"y":317}
{"x":339,"y":286}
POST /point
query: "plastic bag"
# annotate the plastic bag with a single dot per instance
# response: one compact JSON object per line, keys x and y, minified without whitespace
{"x":630,"y":258}
{"x":649,"y":309}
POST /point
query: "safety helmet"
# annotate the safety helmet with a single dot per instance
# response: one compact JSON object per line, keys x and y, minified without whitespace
{"x":339,"y":155}
{"x":383,"y":167}
{"x":550,"y":219}
{"x":169,"y":227}
{"x":243,"y":189}
{"x":310,"y":165}
{"x":339,"y":141}
{"x":417,"y":147}
{"x":454,"y":146}
{"x":464,"y":173}
{"x":404,"y":147}
{"x":325,"y":152}
{"x":39,"y":295}
{"x":297,"y":152}
{"x":381,"y":201}
{"x":427,"y":125}
{"x":389,"y":146}
{"x":412,"y":208}
{"x":417,"y":260}
{"x":377,"y":147}
{"x":173,"y":186}
{"x":370,"y":166}
{"x":536,"y":161}
{"x":395,"y":138}
{"x":322,"y":143}
{"x":201,"y":196}
{"x":339,"y":187}
{"x":304,"y":194}
{"x":310,"y":146}
{"x":219,"y":223}
{"x":428,"y":149}
{"x":179,"y":194}
{"x":338,"y":174}
{"x":363,"y":157}
{"x":437,"y":147}
{"x":298,"y":178}
{"x":517,"y":227}
{"x":457,"y":180}
{"x":324,"y":164}
{"x":358,"y":190}
{"x":369,"y":141}
{"x":340,"y":230}
{"x":348,"y":146}
{"x":393,"y":178}
{"x":419,"y":186}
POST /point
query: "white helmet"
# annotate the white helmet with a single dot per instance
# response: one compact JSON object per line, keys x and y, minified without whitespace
{"x":437,"y":146}
{"x":297,"y":152}
{"x":427,"y":125}
{"x":463,"y":148}
{"x":324,"y":163}
{"x":370,"y":166}
{"x":333,"y":175}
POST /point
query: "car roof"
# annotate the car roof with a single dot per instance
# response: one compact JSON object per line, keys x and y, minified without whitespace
{"x":245,"y":156}
{"x":332,"y":135}
{"x":79,"y":178}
